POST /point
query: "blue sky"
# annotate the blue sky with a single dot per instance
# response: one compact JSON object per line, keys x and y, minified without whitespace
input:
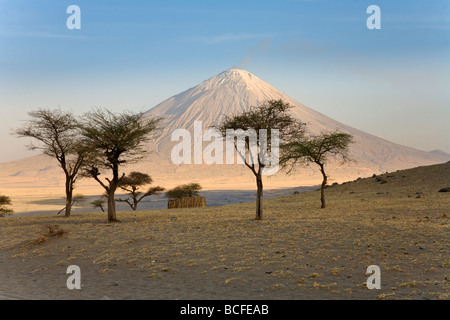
{"x":392,"y":82}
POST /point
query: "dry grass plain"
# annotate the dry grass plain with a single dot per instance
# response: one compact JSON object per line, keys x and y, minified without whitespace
{"x":298,"y":251}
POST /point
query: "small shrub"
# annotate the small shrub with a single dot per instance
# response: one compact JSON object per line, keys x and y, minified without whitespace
{"x":184,"y":191}
{"x":51,"y":231}
{"x":4,"y":202}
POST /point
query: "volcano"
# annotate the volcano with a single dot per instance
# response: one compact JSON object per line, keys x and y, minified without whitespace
{"x":227,"y":93}
{"x":236,"y":90}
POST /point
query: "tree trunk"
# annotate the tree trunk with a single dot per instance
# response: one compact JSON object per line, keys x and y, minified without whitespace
{"x":134,"y":196}
{"x":259,"y":198}
{"x":111,"y":207}
{"x":69,"y":197}
{"x":322,"y":187}
{"x":113,"y":184}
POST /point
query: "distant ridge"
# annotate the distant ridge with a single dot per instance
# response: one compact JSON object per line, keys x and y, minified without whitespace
{"x":440,"y":153}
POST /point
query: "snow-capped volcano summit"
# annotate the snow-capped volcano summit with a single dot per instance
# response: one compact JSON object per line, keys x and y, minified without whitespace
{"x":229,"y":92}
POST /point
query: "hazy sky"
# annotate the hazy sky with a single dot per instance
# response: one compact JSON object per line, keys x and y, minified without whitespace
{"x":393,"y":83}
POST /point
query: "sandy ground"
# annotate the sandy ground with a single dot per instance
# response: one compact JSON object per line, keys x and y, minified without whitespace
{"x":298,"y":251}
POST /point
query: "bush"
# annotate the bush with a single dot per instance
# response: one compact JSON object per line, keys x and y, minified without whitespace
{"x":184,"y":191}
{"x":5,"y":201}
{"x":50,"y":231}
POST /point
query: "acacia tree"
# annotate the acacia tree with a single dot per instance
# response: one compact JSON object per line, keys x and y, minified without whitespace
{"x":184,"y":191}
{"x":5,"y":201}
{"x":255,"y":129}
{"x":57,"y":134}
{"x":132,"y":183}
{"x":76,"y":199}
{"x":318,"y":150}
{"x":100,"y":202}
{"x":114,"y":140}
